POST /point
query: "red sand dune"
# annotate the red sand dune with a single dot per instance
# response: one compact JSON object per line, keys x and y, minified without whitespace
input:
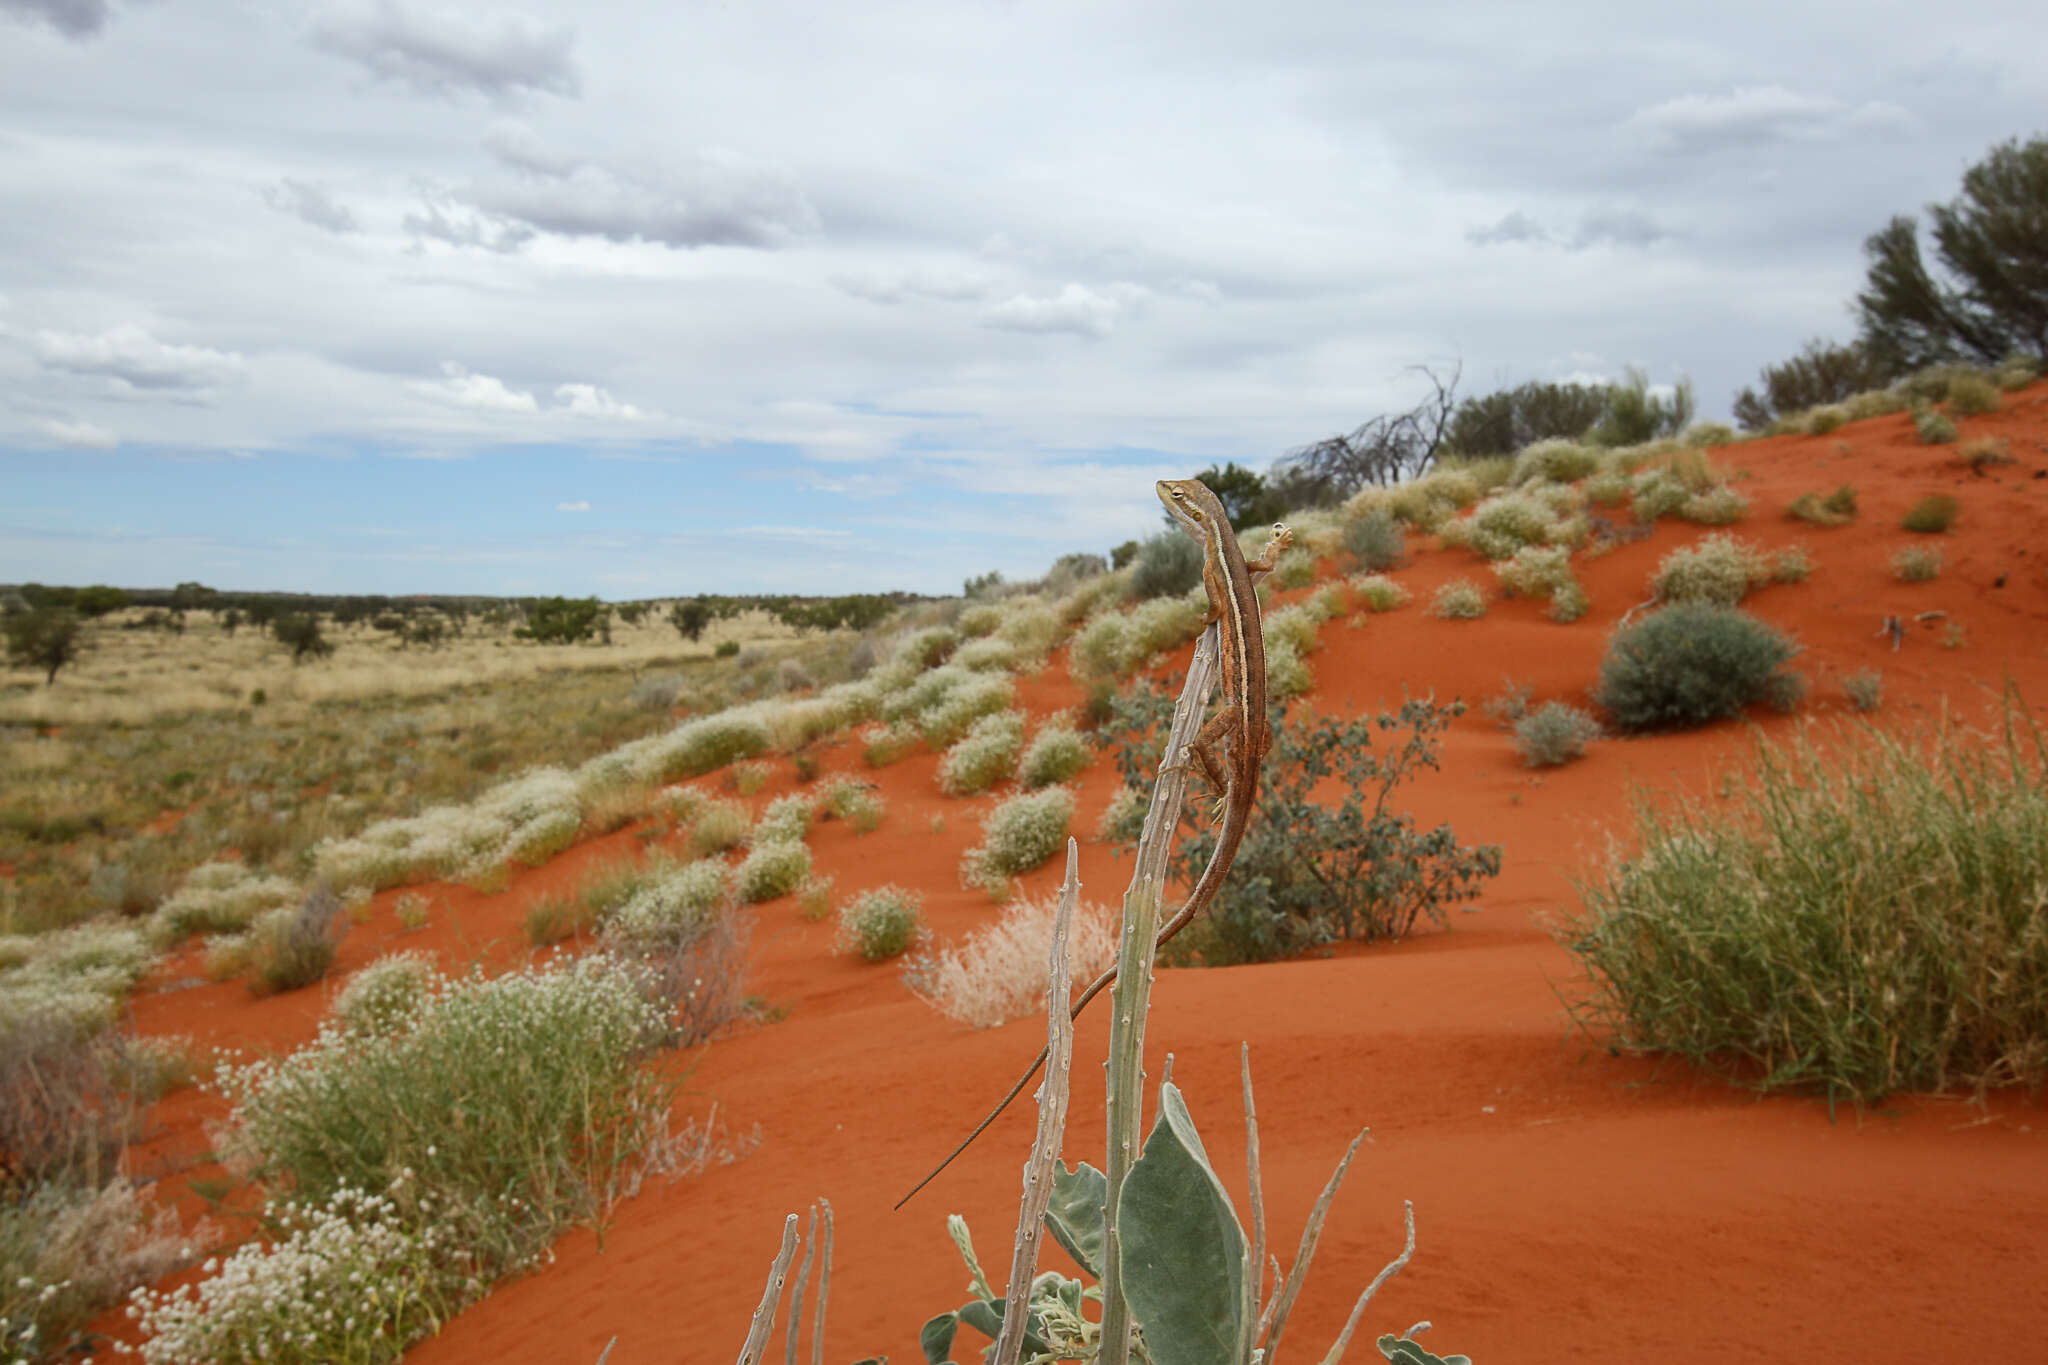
{"x":1571,"y":1205}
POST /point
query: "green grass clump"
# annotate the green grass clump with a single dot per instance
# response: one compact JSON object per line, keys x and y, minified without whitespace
{"x":771,"y":870}
{"x":1296,"y":569}
{"x":1916,"y":564}
{"x":1932,"y":515}
{"x":1458,"y":600}
{"x":1933,"y":428}
{"x":1836,"y":509}
{"x":1721,"y":506}
{"x":294,"y":946}
{"x":1690,"y":663}
{"x":1375,"y":540}
{"x":1863,"y":922}
{"x":1824,"y":419}
{"x":1556,"y":460}
{"x":1864,"y":689}
{"x":1017,"y":836}
{"x":984,"y":756}
{"x":1287,"y":673}
{"x":1972,"y":395}
{"x":1554,"y":733}
{"x":1791,"y":565}
{"x":720,"y":825}
{"x":879,"y":924}
{"x":1720,"y":569}
{"x":1056,"y":754}
{"x":1378,"y":592}
{"x":858,"y":803}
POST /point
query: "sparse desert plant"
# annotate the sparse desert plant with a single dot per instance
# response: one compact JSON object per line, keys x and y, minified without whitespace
{"x":1557,"y":460}
{"x":1836,"y":509}
{"x":1932,"y":515}
{"x":1296,"y":569}
{"x":814,"y":898}
{"x":1971,"y":395}
{"x":1508,"y":708}
{"x":997,"y":973}
{"x":980,"y":695}
{"x":787,"y":817}
{"x":1378,"y":592}
{"x":1720,"y":506}
{"x":1458,"y":600}
{"x":1687,"y":664}
{"x":1865,"y":890}
{"x":1824,"y":419}
{"x":294,"y":946}
{"x":1375,"y":540}
{"x":877,"y":925}
{"x":219,"y":898}
{"x":1982,"y":453}
{"x":1554,"y":733}
{"x":771,"y":870}
{"x":1656,"y":494}
{"x":748,"y":778}
{"x":1916,"y":563}
{"x":858,"y":803}
{"x":1791,"y":565}
{"x":680,"y":804}
{"x":386,"y":996}
{"x":67,"y":1252}
{"x":1017,"y":836}
{"x":1720,"y":569}
{"x":1123,"y":816}
{"x":984,"y":756}
{"x":412,"y":909}
{"x":1864,"y":689}
{"x":882,"y":745}
{"x":720,"y":825}
{"x":1056,"y":754}
{"x":1287,"y":673}
{"x":1932,"y":427}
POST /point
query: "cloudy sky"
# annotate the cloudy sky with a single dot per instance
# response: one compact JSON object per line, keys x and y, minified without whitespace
{"x":633,"y":299}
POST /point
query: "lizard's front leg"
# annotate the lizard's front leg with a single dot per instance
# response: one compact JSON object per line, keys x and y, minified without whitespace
{"x":1276,"y":545}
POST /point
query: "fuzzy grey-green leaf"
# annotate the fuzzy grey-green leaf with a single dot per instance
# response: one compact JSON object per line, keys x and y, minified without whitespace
{"x":935,"y":1338}
{"x":1074,"y":1218}
{"x":1402,"y":1351}
{"x":1183,"y":1252}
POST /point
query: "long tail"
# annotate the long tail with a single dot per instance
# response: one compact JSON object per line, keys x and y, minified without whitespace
{"x":1236,"y":814}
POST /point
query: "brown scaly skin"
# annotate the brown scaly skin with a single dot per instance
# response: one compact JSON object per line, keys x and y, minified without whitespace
{"x":1227,"y":577}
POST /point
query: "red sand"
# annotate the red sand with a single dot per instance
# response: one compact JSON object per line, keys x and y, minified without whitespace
{"x":1571,"y":1205}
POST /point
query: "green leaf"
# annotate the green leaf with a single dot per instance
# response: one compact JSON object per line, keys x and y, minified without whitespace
{"x":986,"y":1316}
{"x":935,"y":1338}
{"x":1074,"y":1217}
{"x":1182,"y":1249}
{"x":1402,"y":1351}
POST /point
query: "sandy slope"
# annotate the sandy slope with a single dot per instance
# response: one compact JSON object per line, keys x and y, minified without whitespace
{"x":1571,"y":1205}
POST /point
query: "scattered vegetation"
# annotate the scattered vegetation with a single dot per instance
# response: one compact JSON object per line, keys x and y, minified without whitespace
{"x":984,"y":756}
{"x":997,"y":972}
{"x":1720,"y":569}
{"x":879,"y":924}
{"x":1378,"y":592}
{"x":1932,"y":515}
{"x":1916,"y":563}
{"x":1554,"y":733}
{"x":1458,"y":600}
{"x":1687,"y":664}
{"x":1056,"y":754}
{"x":1017,"y":836}
{"x":1836,"y":509}
{"x":1864,"y":689}
{"x":777,"y":868}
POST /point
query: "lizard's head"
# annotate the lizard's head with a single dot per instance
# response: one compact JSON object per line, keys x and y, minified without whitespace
{"x":1190,"y":503}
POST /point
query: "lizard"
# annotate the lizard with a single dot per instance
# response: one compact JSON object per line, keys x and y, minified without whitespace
{"x":1241,"y":723}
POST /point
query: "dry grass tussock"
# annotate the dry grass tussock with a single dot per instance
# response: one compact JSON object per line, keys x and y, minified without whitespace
{"x":998,"y":971}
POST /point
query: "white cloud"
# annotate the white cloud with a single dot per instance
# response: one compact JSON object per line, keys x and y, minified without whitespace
{"x":132,"y":361}
{"x":578,"y":506}
{"x":1751,"y":115}
{"x":947,"y":284}
{"x":78,"y":435}
{"x":480,"y":392}
{"x":311,"y":204}
{"x":460,"y":225}
{"x":442,"y":53}
{"x":588,"y":400}
{"x":1076,"y":309}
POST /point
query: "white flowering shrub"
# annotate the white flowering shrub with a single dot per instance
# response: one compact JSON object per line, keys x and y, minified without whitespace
{"x":67,"y":1252}
{"x":988,"y":656}
{"x":699,"y":746}
{"x":1558,"y":460}
{"x":354,"y":1280}
{"x":983,"y":756}
{"x":1296,"y":625}
{"x":528,"y":819}
{"x":388,"y":995}
{"x":787,"y":817}
{"x":671,"y":910}
{"x":1056,"y":754}
{"x":983,"y":694}
{"x":924,"y":692}
{"x":980,"y":620}
{"x":1017,"y":836}
{"x":771,"y":870}
{"x":854,"y":801}
{"x":1112,"y":644}
{"x":998,"y":971}
{"x":1721,"y":569}
{"x":1029,"y":626}
{"x":720,"y":825}
{"x":877,"y":925}
{"x":219,"y":898}
{"x":1287,"y":675}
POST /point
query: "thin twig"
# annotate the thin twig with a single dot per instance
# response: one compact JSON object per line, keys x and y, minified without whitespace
{"x":1392,"y":1269}
{"x":1255,"y":1267}
{"x":1310,"y":1235}
{"x":771,"y":1296}
{"x":824,"y":1288}
{"x":796,"y":1296}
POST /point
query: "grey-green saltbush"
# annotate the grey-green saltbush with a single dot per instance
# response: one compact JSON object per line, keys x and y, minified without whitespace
{"x":1375,"y":540}
{"x":1055,"y":755}
{"x":877,"y":925}
{"x":983,"y":756}
{"x":771,"y":870}
{"x":1168,"y":565}
{"x":1689,"y":664}
{"x":1554,"y":733}
{"x":1018,"y":835}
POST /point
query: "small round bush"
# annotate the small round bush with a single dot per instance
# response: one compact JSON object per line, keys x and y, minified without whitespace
{"x":385,"y":996}
{"x":1864,"y":689}
{"x":984,"y":756}
{"x":1375,"y":540}
{"x":1720,"y":569}
{"x":1691,"y":663}
{"x":1658,"y":493}
{"x":1458,"y":600}
{"x":1916,"y":564}
{"x":1379,"y":592}
{"x":1296,"y":569}
{"x":772,"y":870}
{"x":1055,"y":755}
{"x":787,"y":817}
{"x":1554,"y":733}
{"x":879,"y":924}
{"x":1168,"y":565}
{"x":1971,"y":396}
{"x":1933,"y":428}
{"x":1721,"y":506}
{"x":1018,"y":835}
{"x":1822,"y":420}
{"x":1932,"y":515}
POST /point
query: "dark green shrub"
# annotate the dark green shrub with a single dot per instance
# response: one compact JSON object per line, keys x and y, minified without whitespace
{"x":1691,"y":663}
{"x":565,"y":620}
{"x":727,"y":649}
{"x":43,"y":637}
{"x":299,"y":632}
{"x":1932,"y":515}
{"x":1933,"y":428}
{"x":1375,"y":540}
{"x":1168,"y":565}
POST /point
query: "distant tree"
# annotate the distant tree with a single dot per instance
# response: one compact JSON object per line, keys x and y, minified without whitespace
{"x":1634,"y":415}
{"x":1124,"y":553}
{"x":43,"y":637}
{"x":1821,"y":373}
{"x":424,"y":628}
{"x":390,"y":622}
{"x":1993,"y":241}
{"x":299,"y":631}
{"x":565,"y":620}
{"x":97,"y":600}
{"x":1246,"y":499}
{"x":229,"y":619}
{"x":631,"y":612}
{"x":1507,"y":421}
{"x":191,"y":596}
{"x":689,"y":618}
{"x":983,"y":585}
{"x":1389,"y":448}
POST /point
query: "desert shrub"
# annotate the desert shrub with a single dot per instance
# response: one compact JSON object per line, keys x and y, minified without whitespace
{"x":1308,"y":872}
{"x":771,"y":870}
{"x":748,"y":777}
{"x":1836,"y":509}
{"x":1932,"y":515}
{"x":1791,"y":565}
{"x":856,"y":802}
{"x":1056,"y":754}
{"x":219,"y":898}
{"x":1510,"y":706}
{"x":1379,"y":592}
{"x":1879,"y":402}
{"x":1458,"y":600}
{"x":948,"y":719}
{"x":1864,"y":689}
{"x":2018,"y":370}
{"x":877,"y":925}
{"x":787,"y":817}
{"x":1295,"y":626}
{"x":67,"y":1252}
{"x":1971,"y":395}
{"x":1506,"y":522}
{"x":1656,"y":493}
{"x":540,"y":839}
{"x":987,"y":656}
{"x":699,"y":746}
{"x":1933,"y":428}
{"x":1287,"y":674}
{"x":727,"y":649}
{"x":555,"y":916}
{"x":500,"y":1179}
{"x":1720,"y":569}
{"x":1017,"y":836}
{"x":1296,"y":569}
{"x":1168,"y":565}
{"x":984,"y":756}
{"x":680,"y":804}
{"x":997,"y":972}
{"x":927,"y":648}
{"x":980,"y":619}
{"x":1557,"y":460}
{"x":1865,"y":921}
{"x":387,"y":996}
{"x":1536,"y":571}
{"x":1690,"y":663}
{"x":1824,"y":419}
{"x":1608,"y":488}
{"x":814,"y":898}
{"x":1980,"y":454}
{"x":1634,"y":415}
{"x":1112,"y":644}
{"x":659,"y":694}
{"x":882,"y":745}
{"x":1568,"y":603}
{"x":1375,"y":540}
{"x":1554,"y":733}
{"x":1124,"y":816}
{"x":1721,"y":506}
{"x":293,"y":947}
{"x":720,"y":825}
{"x":1916,"y":563}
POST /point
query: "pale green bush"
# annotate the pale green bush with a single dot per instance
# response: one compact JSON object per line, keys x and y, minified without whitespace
{"x":1287,"y":675}
{"x":1557,"y":460}
{"x":771,"y":870}
{"x":1017,"y":836}
{"x":720,"y":825}
{"x":387,"y":996}
{"x":1554,"y":733}
{"x":978,"y":620}
{"x":219,"y":898}
{"x":1916,"y":564}
{"x":1721,"y":506}
{"x":787,"y":817}
{"x":877,"y":925}
{"x":1056,"y":754}
{"x":1379,"y":592}
{"x":1720,"y":569}
{"x":1458,"y":600}
{"x":987,"y":656}
{"x":856,"y":802}
{"x":983,"y":756}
